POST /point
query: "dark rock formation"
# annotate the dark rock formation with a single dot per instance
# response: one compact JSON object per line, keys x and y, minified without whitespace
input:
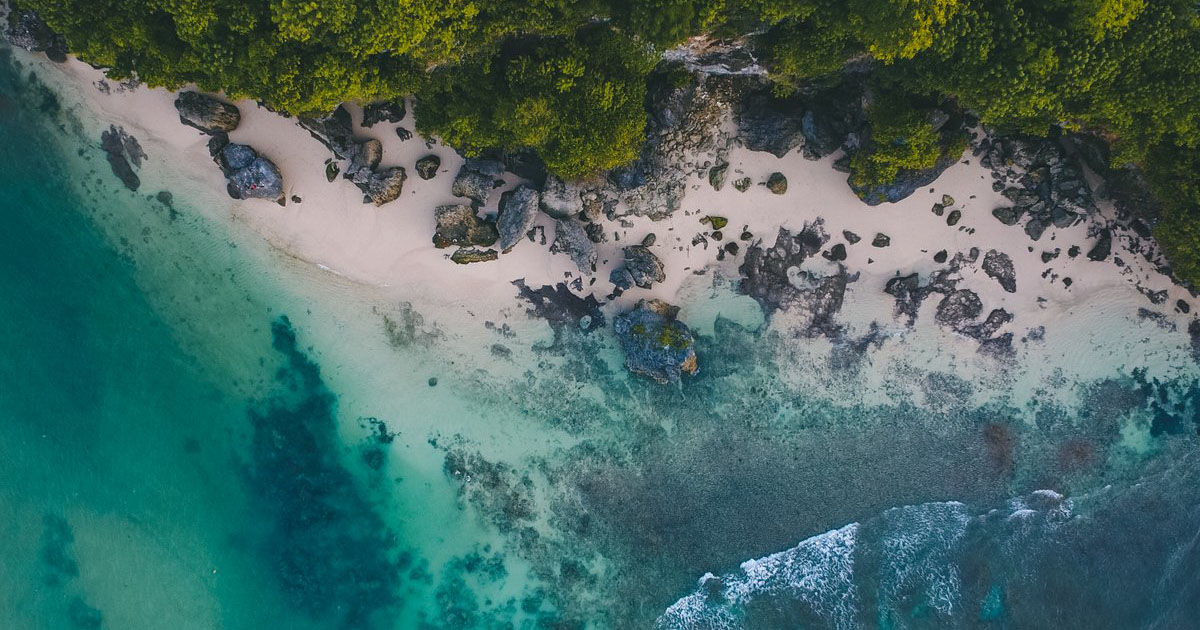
{"x":383,"y":111}
{"x":124,"y":153}
{"x":460,"y":225}
{"x":655,"y":343}
{"x":1008,"y":215}
{"x":559,"y":306}
{"x":27,"y":30}
{"x":777,"y":183}
{"x":958,"y":308}
{"x":999,"y":266}
{"x":207,"y":113}
{"x":518,"y":211}
{"x":718,"y":174}
{"x":765,"y":270}
{"x":335,"y":131}
{"x":837,"y":253}
{"x":742,"y":185}
{"x":427,"y":167}
{"x":906,"y":183}
{"x":881,"y":240}
{"x":1103,"y":246}
{"x":363,"y":157}
{"x":819,"y":120}
{"x":382,"y":186}
{"x":249,"y":175}
{"x":1040,"y":178}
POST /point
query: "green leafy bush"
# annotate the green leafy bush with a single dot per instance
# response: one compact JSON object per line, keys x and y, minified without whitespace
{"x":579,"y":101}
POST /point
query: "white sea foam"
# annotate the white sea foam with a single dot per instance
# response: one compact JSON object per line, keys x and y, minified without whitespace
{"x":818,"y":571}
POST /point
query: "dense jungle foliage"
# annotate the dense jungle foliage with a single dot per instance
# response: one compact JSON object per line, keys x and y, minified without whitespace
{"x":568,"y":78}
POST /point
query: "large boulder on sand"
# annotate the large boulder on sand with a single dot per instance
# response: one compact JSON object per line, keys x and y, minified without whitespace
{"x":571,"y":237}
{"x":459,"y":225}
{"x":250,"y":176}
{"x":518,"y":211}
{"x":260,"y":179}
{"x":643,"y":266}
{"x":476,"y":180}
{"x":207,"y":113}
{"x":655,"y":343}
{"x":384,"y":185}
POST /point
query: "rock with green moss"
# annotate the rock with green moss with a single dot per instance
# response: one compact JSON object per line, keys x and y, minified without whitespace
{"x":656,"y":344}
{"x":466,"y":256}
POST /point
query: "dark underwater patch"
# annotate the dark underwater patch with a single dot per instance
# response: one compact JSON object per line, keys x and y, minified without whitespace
{"x":333,"y":556}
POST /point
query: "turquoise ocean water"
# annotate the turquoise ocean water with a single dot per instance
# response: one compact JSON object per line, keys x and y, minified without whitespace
{"x":196,"y":434}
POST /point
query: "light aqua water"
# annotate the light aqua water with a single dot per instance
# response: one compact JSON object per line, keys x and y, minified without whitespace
{"x":195,"y":435}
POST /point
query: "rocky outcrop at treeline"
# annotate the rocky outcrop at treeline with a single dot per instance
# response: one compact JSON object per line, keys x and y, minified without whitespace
{"x":207,"y":113}
{"x":27,"y":30}
{"x":361,"y":157}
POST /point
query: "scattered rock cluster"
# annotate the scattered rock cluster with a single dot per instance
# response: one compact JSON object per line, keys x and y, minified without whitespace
{"x":959,"y":309}
{"x":336,"y":131}
{"x":1040,"y":180}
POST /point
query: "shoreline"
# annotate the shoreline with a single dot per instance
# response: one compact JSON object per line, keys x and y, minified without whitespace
{"x":387,"y":250}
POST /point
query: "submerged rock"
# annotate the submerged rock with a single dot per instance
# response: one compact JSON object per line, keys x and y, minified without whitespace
{"x":571,"y":237}
{"x":123,"y":152}
{"x":655,"y":343}
{"x":459,"y":225}
{"x":518,"y":212}
{"x":207,"y":113}
{"x":562,"y":308}
{"x":999,"y":266}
